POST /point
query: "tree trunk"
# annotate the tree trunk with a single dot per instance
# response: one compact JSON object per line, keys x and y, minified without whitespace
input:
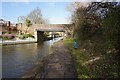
{"x":26,"y":30}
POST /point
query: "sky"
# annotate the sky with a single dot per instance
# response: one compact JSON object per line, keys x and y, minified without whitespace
{"x":53,"y":10}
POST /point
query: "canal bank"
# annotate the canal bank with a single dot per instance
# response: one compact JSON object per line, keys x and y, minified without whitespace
{"x":17,"y":41}
{"x":58,"y":64}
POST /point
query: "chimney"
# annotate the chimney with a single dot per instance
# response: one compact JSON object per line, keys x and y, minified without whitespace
{"x":8,"y":24}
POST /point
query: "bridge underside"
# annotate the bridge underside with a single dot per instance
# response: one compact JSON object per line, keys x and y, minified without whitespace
{"x":40,"y":29}
{"x":48,"y":30}
{"x":40,"y":34}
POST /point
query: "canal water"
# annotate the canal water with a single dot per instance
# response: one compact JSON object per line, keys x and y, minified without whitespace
{"x":17,"y":59}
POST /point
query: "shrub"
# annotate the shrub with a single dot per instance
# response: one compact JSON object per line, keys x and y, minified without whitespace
{"x":46,"y":34}
{"x":0,"y":36}
{"x":56,"y":33}
{"x":30,"y":35}
{"x":5,"y":32}
{"x":26,"y":36}
{"x":8,"y":36}
{"x":21,"y":37}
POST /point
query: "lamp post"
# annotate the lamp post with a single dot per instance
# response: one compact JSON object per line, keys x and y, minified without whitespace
{"x":1,"y":25}
{"x":1,"y":22}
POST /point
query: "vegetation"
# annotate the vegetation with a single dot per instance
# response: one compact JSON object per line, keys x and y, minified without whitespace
{"x":97,"y":32}
{"x":46,"y":34}
{"x":28,"y":24}
{"x":36,"y":16}
{"x":7,"y":36}
{"x":55,"y":33}
{"x":24,"y":36}
{"x":80,"y":58}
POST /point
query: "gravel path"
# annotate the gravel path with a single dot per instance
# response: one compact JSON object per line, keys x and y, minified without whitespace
{"x":59,"y":64}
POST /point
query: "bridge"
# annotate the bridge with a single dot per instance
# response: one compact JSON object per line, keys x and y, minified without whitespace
{"x":39,"y":29}
{"x":50,"y":27}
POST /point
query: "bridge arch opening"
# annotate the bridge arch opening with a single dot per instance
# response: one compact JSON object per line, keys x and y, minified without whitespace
{"x":40,"y":36}
{"x":41,"y":28}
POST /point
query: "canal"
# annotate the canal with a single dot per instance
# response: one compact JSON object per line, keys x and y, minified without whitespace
{"x":17,"y":59}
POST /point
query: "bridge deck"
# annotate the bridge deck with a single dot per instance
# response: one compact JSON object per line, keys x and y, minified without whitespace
{"x":50,"y":27}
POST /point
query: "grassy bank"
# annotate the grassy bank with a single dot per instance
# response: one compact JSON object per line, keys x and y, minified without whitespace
{"x":82,"y":70}
{"x":91,"y":64}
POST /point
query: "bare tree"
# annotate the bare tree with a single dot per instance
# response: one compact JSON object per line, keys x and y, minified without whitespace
{"x":21,"y":19}
{"x":35,"y":16}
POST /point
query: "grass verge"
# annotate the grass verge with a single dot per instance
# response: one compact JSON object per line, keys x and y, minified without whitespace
{"x":91,"y":63}
{"x":82,"y":70}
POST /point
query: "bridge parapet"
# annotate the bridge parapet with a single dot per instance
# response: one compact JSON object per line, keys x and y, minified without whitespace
{"x":49,"y":27}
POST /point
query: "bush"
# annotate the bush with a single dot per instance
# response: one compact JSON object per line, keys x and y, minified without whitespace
{"x":0,"y":36}
{"x":56,"y":33}
{"x":21,"y":37}
{"x":46,"y":34}
{"x":30,"y":35}
{"x":8,"y":36}
{"x":26,"y":36}
{"x":5,"y":32}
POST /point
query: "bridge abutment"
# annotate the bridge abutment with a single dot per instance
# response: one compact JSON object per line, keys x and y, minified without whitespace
{"x":39,"y":36}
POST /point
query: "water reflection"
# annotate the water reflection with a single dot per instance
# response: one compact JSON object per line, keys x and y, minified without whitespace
{"x":19,"y":58}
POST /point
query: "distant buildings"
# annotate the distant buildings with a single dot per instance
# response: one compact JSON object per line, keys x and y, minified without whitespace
{"x":7,"y":26}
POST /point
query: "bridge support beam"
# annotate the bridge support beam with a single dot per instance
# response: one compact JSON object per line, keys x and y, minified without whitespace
{"x":53,"y":35}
